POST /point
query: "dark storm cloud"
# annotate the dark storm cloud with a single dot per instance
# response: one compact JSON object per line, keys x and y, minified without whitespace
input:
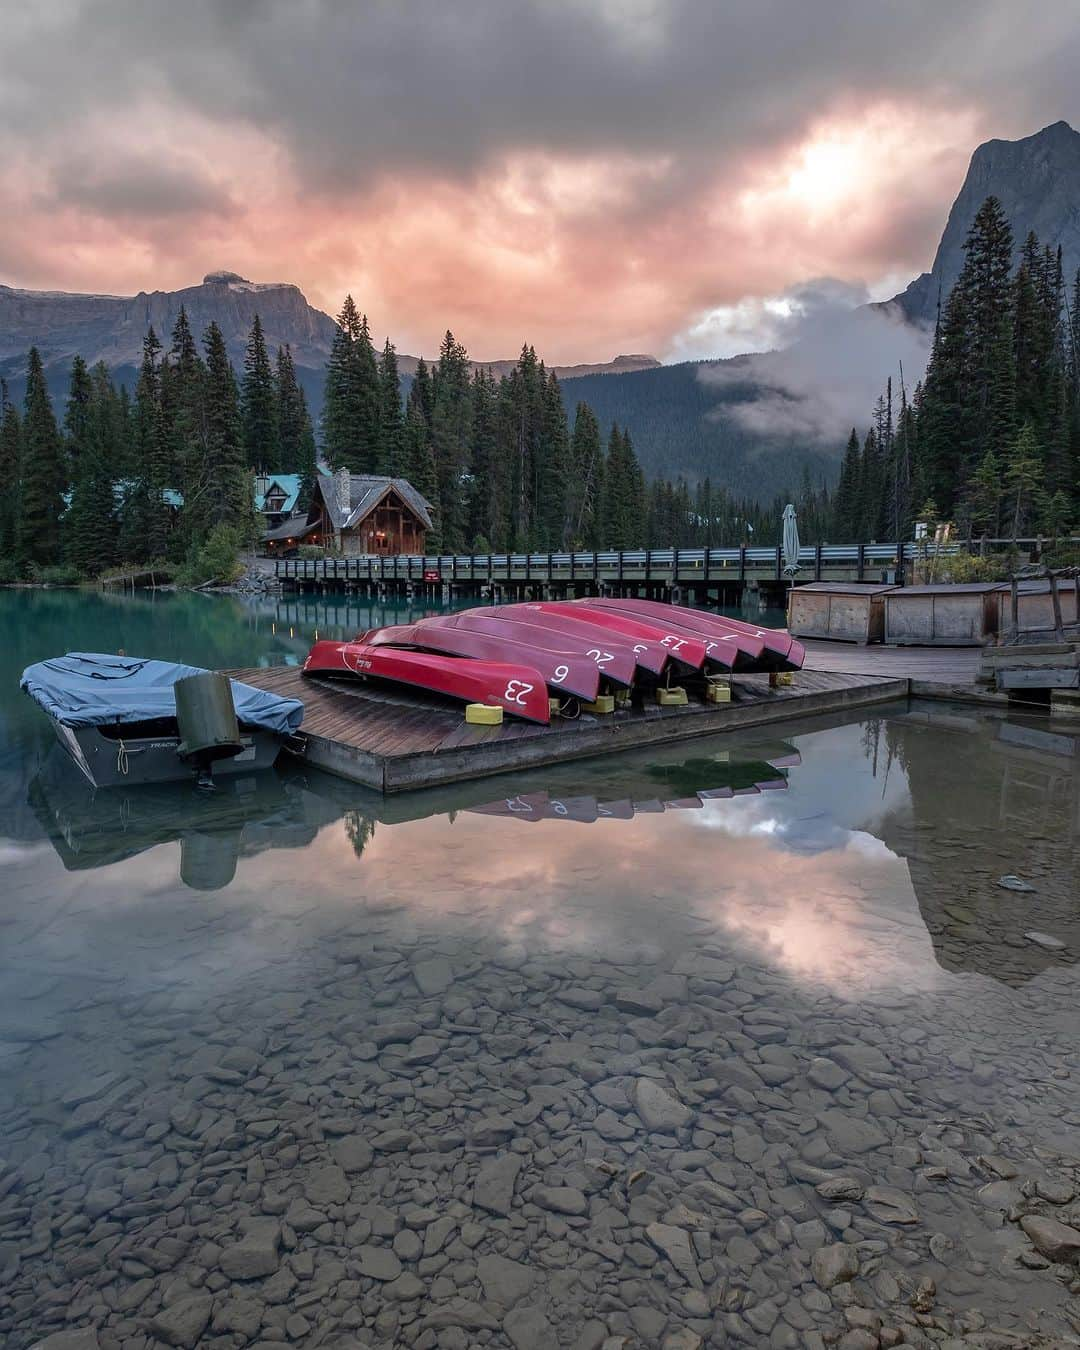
{"x":138,"y":186}
{"x":443,"y":84}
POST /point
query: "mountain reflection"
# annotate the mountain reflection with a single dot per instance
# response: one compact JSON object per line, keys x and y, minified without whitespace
{"x":863,"y":856}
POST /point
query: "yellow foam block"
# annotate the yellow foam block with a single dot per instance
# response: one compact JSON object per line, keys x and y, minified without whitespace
{"x":781,"y":679}
{"x":718,"y":693}
{"x":483,"y":714}
{"x":672,"y":698}
{"x":554,"y":704}
{"x":623,"y":698}
{"x":605,"y":703}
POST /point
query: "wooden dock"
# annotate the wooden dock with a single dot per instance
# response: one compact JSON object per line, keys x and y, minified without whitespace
{"x":393,"y":741}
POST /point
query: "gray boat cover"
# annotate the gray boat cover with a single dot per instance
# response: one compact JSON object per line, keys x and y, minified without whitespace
{"x":91,"y":689}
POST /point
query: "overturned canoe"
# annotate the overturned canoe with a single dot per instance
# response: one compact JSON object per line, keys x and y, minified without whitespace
{"x":778,"y":650}
{"x":518,"y":689}
{"x":563,"y":672}
{"x":680,"y":643}
{"x":616,"y":661}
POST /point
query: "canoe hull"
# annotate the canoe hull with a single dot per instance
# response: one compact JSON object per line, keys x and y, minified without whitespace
{"x":780,"y":651}
{"x":563,"y":672}
{"x":518,"y":689}
{"x":615,"y":662}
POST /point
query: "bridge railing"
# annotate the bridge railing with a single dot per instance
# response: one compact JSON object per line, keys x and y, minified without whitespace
{"x":758,"y":562}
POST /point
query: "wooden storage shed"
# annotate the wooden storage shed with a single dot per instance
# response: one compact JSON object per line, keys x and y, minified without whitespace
{"x":943,"y":616}
{"x":1035,"y":606}
{"x":842,"y":610}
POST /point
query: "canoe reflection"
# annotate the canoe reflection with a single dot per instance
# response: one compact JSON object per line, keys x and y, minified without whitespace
{"x":287,"y":808}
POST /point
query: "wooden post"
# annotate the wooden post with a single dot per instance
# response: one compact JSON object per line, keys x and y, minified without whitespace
{"x":1055,"y":597}
{"x":817,"y":562}
{"x":779,"y":563}
{"x":742,"y":562}
{"x":862,"y":560}
{"x":1014,"y":610}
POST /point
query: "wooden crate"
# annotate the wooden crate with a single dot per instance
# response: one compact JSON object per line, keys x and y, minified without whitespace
{"x":842,"y":611}
{"x":943,"y":616}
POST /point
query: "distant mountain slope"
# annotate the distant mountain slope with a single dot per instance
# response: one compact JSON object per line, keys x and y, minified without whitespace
{"x":111,"y":328}
{"x":681,"y":425}
{"x":1037,"y":181}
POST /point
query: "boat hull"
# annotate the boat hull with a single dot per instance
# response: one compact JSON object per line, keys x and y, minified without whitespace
{"x":516,"y":688}
{"x":564,"y":672}
{"x":111,"y":757}
{"x":615,"y":661}
{"x":677,"y":642}
{"x":779,"y":650}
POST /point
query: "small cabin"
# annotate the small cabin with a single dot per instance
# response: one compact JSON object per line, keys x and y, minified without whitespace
{"x":840,"y":610}
{"x":943,"y":616}
{"x":358,"y":515}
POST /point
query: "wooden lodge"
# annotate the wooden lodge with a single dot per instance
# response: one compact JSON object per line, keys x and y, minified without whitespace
{"x":357,"y":515}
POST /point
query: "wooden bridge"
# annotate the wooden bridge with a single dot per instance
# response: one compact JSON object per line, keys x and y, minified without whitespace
{"x":691,"y":571}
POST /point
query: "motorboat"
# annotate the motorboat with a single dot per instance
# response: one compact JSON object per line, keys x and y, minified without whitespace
{"x":563,"y":672}
{"x":517,"y":688}
{"x":117,"y":717}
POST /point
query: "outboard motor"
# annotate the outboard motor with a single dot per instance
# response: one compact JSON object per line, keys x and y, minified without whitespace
{"x":206,"y":719}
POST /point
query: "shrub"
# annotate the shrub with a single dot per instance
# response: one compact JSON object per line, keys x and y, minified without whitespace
{"x":60,"y":574}
{"x":216,"y":559}
{"x":313,"y":551}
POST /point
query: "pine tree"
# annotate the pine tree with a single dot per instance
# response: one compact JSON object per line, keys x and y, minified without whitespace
{"x":451,"y":431}
{"x":259,"y":405}
{"x":224,"y":493}
{"x":552,"y":469}
{"x":43,"y":480}
{"x":847,"y":516}
{"x":586,"y":478}
{"x":488,"y":507}
{"x":1023,"y":478}
{"x":986,"y":490}
{"x":420,"y":468}
{"x":10,"y":459}
{"x":390,"y":415}
{"x":90,"y":526}
{"x":296,"y":435}
{"x":77,"y":414}
{"x":183,"y":400}
{"x":145,"y":517}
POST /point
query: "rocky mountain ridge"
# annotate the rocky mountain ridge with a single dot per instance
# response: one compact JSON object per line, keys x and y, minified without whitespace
{"x":1037,"y":181}
{"x":111,"y":328}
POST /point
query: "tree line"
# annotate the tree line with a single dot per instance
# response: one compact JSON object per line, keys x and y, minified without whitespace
{"x":149,"y":476}
{"x":990,"y":439}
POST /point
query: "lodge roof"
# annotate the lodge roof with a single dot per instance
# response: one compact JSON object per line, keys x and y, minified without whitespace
{"x":366,"y":491}
{"x":296,"y":527}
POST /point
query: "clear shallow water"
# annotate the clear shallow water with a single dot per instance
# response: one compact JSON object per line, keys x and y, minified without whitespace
{"x":649,"y":1048}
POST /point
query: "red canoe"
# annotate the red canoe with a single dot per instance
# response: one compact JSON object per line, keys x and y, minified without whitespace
{"x":601,"y":639}
{"x":563,"y":671}
{"x":616,"y":661}
{"x":780,"y":650}
{"x":518,"y":689}
{"x":677,"y":641}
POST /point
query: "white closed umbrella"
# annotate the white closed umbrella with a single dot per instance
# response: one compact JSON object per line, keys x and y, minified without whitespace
{"x":791,"y":541}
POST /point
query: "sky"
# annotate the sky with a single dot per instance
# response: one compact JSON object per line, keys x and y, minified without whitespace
{"x":592,"y":176}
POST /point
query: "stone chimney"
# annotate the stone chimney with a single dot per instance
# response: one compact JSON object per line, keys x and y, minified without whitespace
{"x":343,"y":489}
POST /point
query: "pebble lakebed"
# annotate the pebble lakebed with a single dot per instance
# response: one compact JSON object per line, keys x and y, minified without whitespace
{"x":401,"y":1135}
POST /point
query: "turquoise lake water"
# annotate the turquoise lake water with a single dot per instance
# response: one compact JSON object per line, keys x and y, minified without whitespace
{"x":741,"y":1043}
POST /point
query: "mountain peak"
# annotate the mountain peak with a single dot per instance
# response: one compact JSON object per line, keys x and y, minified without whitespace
{"x":224,"y":278}
{"x":1037,"y":181}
